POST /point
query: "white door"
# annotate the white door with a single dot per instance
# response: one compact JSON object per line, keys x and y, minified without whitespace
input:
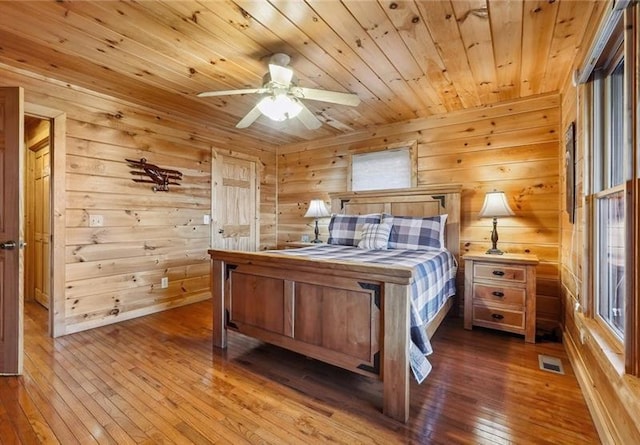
{"x":234,"y":215}
{"x":11,"y":313}
{"x":38,"y":252}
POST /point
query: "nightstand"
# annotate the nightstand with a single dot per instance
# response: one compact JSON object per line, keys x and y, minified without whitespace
{"x":500,"y":293}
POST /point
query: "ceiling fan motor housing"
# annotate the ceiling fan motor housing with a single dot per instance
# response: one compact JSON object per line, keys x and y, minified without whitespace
{"x":268,"y":82}
{"x":280,"y":59}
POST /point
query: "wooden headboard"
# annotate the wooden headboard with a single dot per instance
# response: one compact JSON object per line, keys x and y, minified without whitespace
{"x":417,"y":201}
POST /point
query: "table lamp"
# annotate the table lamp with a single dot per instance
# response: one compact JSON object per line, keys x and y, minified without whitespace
{"x":317,"y":209}
{"x":495,"y":205}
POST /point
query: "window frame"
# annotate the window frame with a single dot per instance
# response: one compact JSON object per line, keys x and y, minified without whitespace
{"x":622,"y":46}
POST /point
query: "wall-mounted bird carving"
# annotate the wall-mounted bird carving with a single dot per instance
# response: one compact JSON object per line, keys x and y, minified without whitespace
{"x":161,"y":177}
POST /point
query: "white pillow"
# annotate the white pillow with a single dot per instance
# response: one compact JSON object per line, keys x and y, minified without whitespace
{"x":374,"y":236}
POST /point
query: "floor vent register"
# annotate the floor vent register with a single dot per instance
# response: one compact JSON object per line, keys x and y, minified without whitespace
{"x":551,"y":364}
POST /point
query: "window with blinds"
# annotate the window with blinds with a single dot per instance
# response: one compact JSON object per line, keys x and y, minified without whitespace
{"x":387,"y":169}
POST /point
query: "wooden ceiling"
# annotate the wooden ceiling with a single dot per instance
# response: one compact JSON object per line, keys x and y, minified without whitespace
{"x":404,"y":59}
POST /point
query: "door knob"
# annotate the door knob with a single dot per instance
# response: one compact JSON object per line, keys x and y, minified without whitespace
{"x":8,"y":245}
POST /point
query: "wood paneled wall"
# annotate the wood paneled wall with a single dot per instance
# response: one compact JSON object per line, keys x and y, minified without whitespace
{"x":512,"y":146}
{"x":113,"y":272}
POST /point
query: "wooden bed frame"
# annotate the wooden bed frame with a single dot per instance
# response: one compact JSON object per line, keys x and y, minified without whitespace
{"x":355,"y":316}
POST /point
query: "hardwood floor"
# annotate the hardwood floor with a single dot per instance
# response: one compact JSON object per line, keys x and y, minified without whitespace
{"x":155,"y":380}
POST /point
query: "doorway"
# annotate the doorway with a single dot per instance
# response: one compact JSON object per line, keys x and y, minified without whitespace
{"x":235,"y":200}
{"x":54,"y":218}
{"x":12,"y":227}
{"x":37,"y":210}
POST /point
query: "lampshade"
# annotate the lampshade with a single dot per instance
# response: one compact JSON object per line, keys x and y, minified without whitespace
{"x":317,"y":209}
{"x":279,"y":107}
{"x":495,"y":205}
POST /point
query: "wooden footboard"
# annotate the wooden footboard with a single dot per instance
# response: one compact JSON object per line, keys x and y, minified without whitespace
{"x":350,"y":315}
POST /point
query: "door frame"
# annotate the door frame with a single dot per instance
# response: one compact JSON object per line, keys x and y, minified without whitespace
{"x":58,"y":119}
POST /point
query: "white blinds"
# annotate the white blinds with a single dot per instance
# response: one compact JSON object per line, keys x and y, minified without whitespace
{"x":387,"y":169}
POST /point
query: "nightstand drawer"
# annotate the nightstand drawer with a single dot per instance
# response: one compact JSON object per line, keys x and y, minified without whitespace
{"x":487,"y":316}
{"x":512,"y":296}
{"x":500,"y":272}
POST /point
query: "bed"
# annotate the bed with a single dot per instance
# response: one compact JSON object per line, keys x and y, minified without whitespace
{"x":322,"y":302}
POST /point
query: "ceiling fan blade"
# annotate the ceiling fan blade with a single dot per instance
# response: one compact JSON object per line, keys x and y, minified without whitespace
{"x":280,"y":74}
{"x":249,"y":118}
{"x":232,"y":92}
{"x":326,"y":96}
{"x":308,"y":119}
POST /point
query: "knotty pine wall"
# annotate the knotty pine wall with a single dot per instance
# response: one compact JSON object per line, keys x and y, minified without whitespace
{"x":113,"y":272}
{"x":573,"y":241}
{"x":511,"y":146}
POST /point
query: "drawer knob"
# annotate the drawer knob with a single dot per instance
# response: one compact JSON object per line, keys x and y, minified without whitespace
{"x":497,"y":293}
{"x":498,"y":273}
{"x":497,"y":316}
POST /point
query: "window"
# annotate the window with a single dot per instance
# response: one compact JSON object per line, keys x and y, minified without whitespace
{"x":386,"y":169}
{"x":610,"y":179}
{"x":609,"y":213}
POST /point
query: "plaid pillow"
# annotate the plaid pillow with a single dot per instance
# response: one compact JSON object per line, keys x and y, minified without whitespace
{"x":345,"y":229}
{"x":412,"y":233}
{"x":374,"y":236}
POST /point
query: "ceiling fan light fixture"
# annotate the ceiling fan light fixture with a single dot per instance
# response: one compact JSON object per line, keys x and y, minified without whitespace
{"x":279,"y":107}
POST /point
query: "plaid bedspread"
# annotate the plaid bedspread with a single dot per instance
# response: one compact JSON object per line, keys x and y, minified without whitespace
{"x":433,"y":283}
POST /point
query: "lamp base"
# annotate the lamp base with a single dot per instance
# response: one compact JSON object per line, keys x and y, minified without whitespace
{"x":494,"y":240}
{"x":317,"y":233}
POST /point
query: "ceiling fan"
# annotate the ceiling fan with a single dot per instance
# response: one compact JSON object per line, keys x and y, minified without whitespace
{"x":282,"y":96}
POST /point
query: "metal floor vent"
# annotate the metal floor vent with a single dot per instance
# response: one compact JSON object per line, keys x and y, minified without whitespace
{"x":551,"y":364}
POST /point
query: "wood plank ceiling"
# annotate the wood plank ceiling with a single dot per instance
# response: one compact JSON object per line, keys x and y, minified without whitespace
{"x":404,"y":59}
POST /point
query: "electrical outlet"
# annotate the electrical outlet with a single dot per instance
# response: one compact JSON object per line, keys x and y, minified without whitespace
{"x":96,"y":221}
{"x":206,"y":219}
{"x":164,"y":283}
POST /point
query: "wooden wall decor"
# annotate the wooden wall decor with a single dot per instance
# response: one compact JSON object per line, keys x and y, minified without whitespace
{"x":162,"y":177}
{"x":570,"y":169}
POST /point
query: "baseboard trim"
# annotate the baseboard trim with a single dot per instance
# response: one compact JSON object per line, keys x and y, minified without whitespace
{"x":599,"y":413}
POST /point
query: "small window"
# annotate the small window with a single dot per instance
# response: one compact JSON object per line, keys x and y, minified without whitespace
{"x":387,"y":169}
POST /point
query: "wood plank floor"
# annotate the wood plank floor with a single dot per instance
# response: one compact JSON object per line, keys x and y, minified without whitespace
{"x":155,"y":380}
